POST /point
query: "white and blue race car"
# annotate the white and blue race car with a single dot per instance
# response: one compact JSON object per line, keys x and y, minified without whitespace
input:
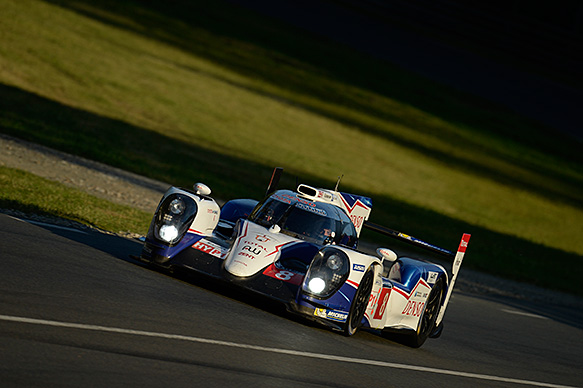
{"x":300,"y":248}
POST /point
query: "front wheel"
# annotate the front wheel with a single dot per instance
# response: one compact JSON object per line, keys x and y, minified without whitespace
{"x":359,"y":304}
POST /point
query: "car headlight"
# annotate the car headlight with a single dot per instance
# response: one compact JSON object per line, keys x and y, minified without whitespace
{"x":168,"y":233}
{"x":316,"y":285}
{"x":327,"y":272}
{"x":177,"y":206}
{"x":334,"y":262}
{"x":173,"y":217}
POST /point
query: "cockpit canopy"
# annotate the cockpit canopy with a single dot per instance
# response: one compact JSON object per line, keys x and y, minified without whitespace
{"x":315,"y":222}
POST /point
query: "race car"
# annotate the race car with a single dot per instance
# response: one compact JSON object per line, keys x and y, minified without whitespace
{"x":301,"y":248}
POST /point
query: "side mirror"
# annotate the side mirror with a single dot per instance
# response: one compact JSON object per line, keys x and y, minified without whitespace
{"x":386,"y":254}
{"x":275,"y":228}
{"x":201,"y":189}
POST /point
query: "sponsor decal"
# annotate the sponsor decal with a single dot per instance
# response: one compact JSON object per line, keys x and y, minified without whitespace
{"x":339,"y":316}
{"x":382,"y":303}
{"x":356,"y":209}
{"x":246,"y":255}
{"x":283,"y":198}
{"x":210,"y":248}
{"x":419,"y":292}
{"x":357,"y":220}
{"x":323,"y":194}
{"x":413,"y":309}
{"x":254,"y":244}
{"x":289,"y":198}
{"x":301,"y":203}
{"x":385,"y":251}
{"x":262,"y":238}
{"x":464,"y":243}
{"x":358,"y":267}
{"x":283,"y":275}
{"x":253,"y":250}
{"x":312,"y":209}
{"x":432,"y":277}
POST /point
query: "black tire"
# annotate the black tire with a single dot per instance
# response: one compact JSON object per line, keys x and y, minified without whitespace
{"x":427,"y":321}
{"x":359,"y":304}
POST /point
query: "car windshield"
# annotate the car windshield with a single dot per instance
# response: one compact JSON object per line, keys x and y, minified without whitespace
{"x":308,"y":226}
{"x":269,"y":212}
{"x":306,"y":222}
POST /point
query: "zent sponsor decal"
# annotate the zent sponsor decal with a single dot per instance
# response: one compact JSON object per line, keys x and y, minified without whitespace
{"x":358,"y":267}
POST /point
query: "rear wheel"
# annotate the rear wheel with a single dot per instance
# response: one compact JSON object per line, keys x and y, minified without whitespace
{"x":427,"y":321}
{"x":359,"y":304}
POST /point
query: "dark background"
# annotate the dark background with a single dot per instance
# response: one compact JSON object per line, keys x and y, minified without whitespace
{"x":524,"y":55}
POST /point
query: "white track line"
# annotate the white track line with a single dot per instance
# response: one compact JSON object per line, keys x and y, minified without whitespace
{"x":276,"y":350}
{"x":523,"y":314}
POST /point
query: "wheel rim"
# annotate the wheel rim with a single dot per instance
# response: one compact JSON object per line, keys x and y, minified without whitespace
{"x":360,"y":303}
{"x":430,"y":313}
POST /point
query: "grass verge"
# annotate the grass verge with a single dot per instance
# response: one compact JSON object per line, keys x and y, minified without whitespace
{"x":32,"y":194}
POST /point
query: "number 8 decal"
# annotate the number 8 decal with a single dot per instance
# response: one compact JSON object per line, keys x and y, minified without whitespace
{"x":383,"y":299}
{"x":284,"y":275}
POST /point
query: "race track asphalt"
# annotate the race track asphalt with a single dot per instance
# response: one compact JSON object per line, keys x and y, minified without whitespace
{"x":75,"y":310}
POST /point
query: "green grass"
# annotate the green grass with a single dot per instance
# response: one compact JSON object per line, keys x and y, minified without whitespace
{"x":189,"y":91}
{"x":35,"y":195}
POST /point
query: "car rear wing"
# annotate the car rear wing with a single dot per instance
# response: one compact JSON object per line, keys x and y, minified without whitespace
{"x":409,"y":239}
